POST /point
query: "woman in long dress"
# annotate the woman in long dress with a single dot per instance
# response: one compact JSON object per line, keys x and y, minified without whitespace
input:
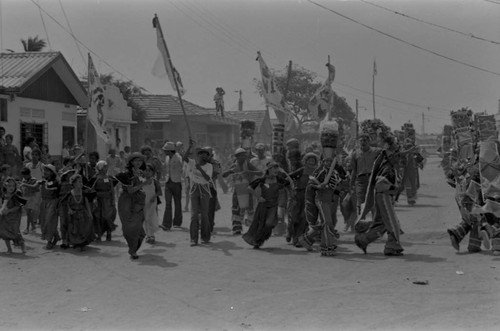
{"x":10,"y":215}
{"x":104,"y":207}
{"x":79,"y":227}
{"x":131,"y":203}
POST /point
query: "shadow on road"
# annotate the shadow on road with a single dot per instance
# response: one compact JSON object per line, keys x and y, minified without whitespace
{"x":18,"y":256}
{"x":224,"y":246}
{"x":87,"y":251}
{"x":377,"y":256}
{"x":284,"y":251}
{"x":417,"y":205}
{"x":112,"y":243}
{"x":163,"y":244}
{"x":155,"y":260}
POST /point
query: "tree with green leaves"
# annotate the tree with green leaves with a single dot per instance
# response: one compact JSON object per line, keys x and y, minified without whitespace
{"x":33,"y":44}
{"x":302,"y":85}
{"x":128,"y":89}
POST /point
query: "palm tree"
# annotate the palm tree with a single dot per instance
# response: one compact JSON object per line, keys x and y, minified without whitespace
{"x":33,"y":44}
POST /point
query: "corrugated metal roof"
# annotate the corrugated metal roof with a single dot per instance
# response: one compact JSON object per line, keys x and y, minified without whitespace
{"x":157,"y":107}
{"x":161,"y":107}
{"x":16,"y":69}
{"x":257,"y":116}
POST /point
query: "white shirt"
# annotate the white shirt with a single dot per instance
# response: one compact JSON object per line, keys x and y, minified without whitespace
{"x":195,"y":175}
{"x":27,"y":153}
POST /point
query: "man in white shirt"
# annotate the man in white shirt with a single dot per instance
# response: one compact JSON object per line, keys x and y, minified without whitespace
{"x":173,"y":187}
{"x":200,"y":173}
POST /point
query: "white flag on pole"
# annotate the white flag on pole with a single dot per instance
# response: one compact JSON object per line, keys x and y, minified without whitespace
{"x":322,"y":100}
{"x":96,"y":114}
{"x":272,"y":96}
{"x":163,"y":64}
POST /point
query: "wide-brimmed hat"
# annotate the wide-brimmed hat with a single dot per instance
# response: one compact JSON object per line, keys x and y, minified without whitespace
{"x":169,"y":146}
{"x":202,"y":150}
{"x":51,"y":167}
{"x":135,"y":155}
{"x":146,"y":148}
{"x":272,"y":164}
{"x":260,"y":146}
{"x":310,"y":155}
{"x":101,"y":164}
{"x":240,"y":150}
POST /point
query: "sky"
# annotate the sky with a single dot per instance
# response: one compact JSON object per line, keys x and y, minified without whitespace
{"x":423,"y":71}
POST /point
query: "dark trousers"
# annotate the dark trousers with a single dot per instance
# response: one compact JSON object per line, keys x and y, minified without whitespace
{"x":172,"y":190}
{"x":211,"y":208}
{"x":200,"y":199}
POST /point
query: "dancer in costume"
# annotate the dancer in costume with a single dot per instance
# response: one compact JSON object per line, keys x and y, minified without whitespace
{"x":80,"y":221}
{"x":10,"y":215}
{"x":297,"y":223}
{"x":104,"y":210}
{"x":362,"y":162}
{"x":321,"y":204}
{"x":382,"y":188}
{"x":266,"y":213}
{"x":131,"y":202}
{"x":243,"y":172}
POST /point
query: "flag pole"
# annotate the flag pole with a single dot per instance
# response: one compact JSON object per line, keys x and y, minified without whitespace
{"x":174,"y":72}
{"x":85,"y":141}
{"x":373,"y":87}
{"x":329,"y":99}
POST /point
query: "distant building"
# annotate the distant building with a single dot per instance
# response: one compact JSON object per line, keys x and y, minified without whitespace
{"x":39,"y":96}
{"x":263,"y":124}
{"x":163,"y":120}
{"x":118,"y":124}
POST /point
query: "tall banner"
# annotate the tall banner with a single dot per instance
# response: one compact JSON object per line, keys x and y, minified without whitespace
{"x":272,"y":96}
{"x":163,"y":65}
{"x":95,"y":112}
{"x":322,"y":101}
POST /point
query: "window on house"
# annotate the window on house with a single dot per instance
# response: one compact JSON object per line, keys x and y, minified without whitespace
{"x":3,"y":110}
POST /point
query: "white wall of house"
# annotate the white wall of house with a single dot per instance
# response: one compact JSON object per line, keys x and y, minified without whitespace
{"x":52,"y":115}
{"x":118,"y":119}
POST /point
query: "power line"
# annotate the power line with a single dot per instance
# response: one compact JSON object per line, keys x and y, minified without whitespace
{"x":470,"y":35}
{"x":227,"y":33}
{"x":219,"y":26}
{"x":208,"y":29}
{"x":87,"y":48}
{"x":71,"y":30}
{"x":226,"y":27}
{"x":43,"y":23}
{"x":404,"y":41}
{"x":495,"y":2}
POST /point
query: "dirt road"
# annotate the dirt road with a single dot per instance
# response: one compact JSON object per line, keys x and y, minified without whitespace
{"x":227,"y":285}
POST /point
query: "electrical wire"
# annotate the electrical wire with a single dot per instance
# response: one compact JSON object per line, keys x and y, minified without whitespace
{"x":71,"y":30}
{"x":403,"y":41}
{"x":237,"y":36}
{"x":44,"y":27}
{"x":244,"y":51}
{"x":469,"y":35}
{"x":87,"y":48}
{"x":495,"y":2}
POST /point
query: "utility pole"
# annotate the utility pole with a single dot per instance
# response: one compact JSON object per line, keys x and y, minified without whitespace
{"x":423,"y":123}
{"x":357,"y":120}
{"x":240,"y":101}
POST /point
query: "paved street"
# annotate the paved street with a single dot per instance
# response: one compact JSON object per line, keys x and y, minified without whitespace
{"x":227,"y":285}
